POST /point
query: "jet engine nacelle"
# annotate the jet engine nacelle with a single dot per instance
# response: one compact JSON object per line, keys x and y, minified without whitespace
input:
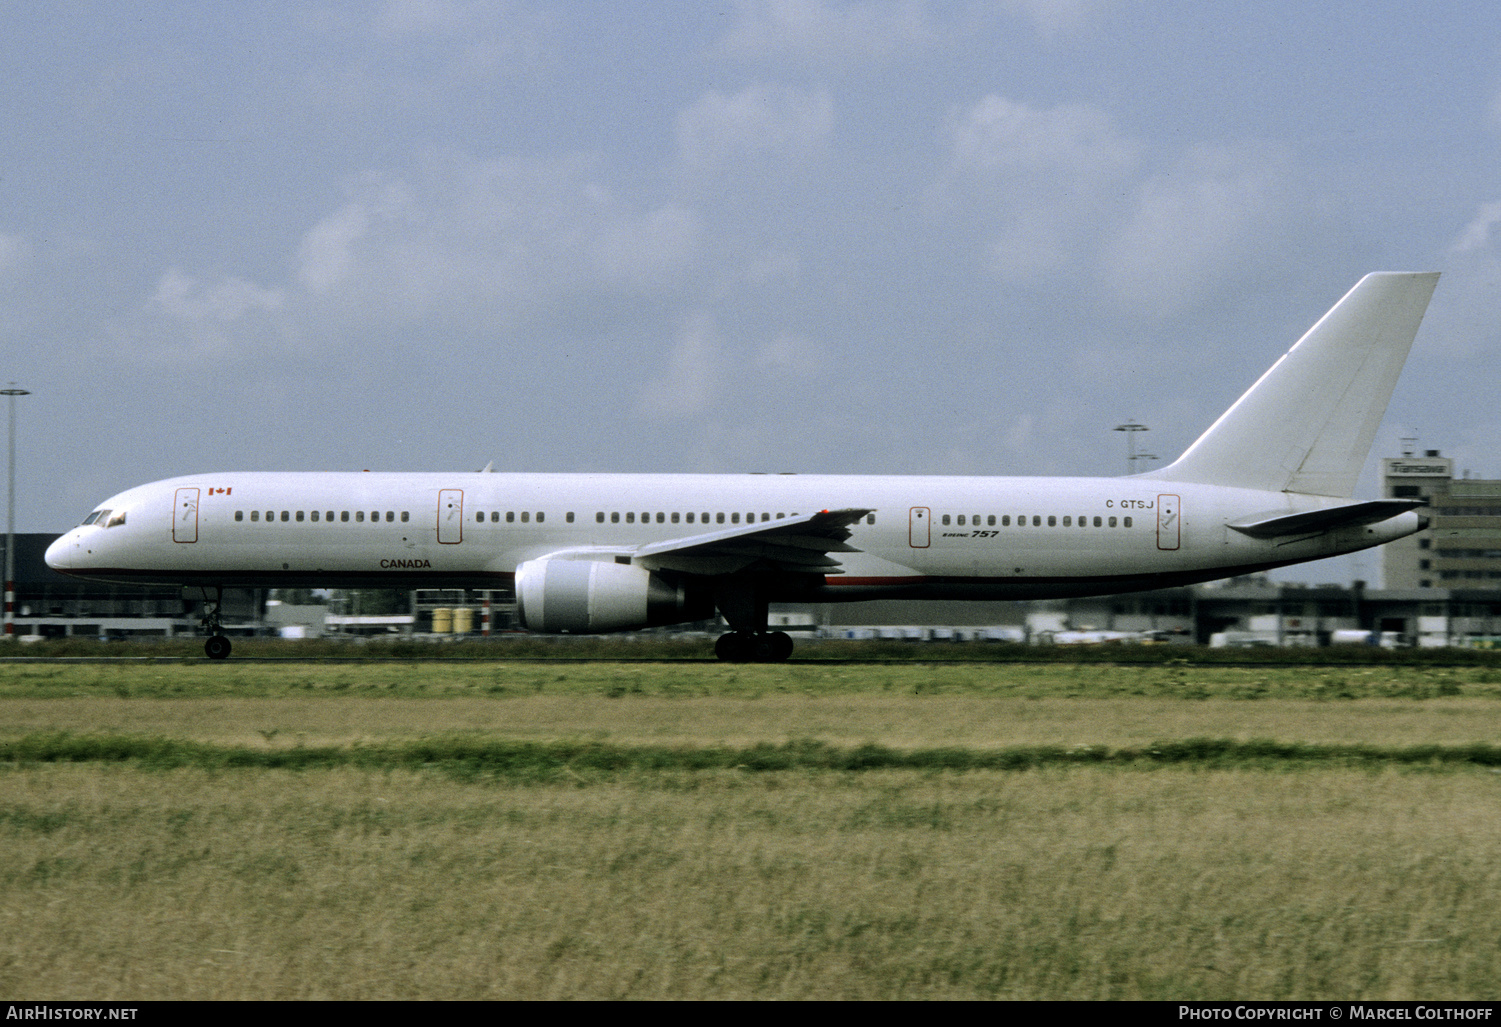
{"x":591,"y":596}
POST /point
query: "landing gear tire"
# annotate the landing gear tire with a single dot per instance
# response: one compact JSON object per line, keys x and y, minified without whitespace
{"x":741,"y":647}
{"x":217,"y":647}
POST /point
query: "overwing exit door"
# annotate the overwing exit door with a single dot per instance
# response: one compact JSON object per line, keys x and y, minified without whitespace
{"x":919,"y":527}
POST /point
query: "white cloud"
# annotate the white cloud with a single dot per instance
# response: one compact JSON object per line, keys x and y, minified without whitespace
{"x":688,"y":383}
{"x":1476,"y":236}
{"x":775,"y":265}
{"x":190,"y":320}
{"x":441,"y":17}
{"x":651,"y":249}
{"x":1062,"y":189}
{"x":1207,"y":220}
{"x":494,"y":238}
{"x":1461,"y":322}
{"x":1076,"y":141}
{"x":721,"y":131}
{"x":185,"y":298}
{"x":326,"y":256}
{"x":829,"y":34}
{"x":1044,"y":180}
{"x":1055,"y":17}
{"x":790,"y":355}
{"x":13,"y":252}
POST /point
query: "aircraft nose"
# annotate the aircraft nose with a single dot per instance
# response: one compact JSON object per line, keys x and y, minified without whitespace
{"x":59,"y":554}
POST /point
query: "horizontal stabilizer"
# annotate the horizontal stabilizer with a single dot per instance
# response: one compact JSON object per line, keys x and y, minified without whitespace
{"x":1313,"y":521}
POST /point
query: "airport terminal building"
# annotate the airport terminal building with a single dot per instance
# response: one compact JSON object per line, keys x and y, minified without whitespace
{"x":1461,"y":547}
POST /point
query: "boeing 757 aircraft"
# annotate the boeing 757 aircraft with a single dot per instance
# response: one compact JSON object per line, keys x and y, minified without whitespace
{"x":1269,"y":484}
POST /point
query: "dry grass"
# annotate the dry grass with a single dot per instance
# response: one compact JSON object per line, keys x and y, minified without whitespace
{"x":1083,"y":884}
{"x":899,"y":721}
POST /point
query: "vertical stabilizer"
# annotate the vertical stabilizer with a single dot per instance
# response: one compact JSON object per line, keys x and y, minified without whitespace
{"x":1307,"y":425}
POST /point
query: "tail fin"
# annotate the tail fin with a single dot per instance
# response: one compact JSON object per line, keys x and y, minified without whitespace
{"x":1307,"y":425}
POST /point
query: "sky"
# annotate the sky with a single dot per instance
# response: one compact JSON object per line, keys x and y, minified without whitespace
{"x":755,"y":235}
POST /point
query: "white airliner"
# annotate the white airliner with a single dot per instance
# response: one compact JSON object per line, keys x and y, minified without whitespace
{"x":1269,"y":484}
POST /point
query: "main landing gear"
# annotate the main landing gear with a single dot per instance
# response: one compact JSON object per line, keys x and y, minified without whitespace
{"x":743,"y":602}
{"x":762,"y":647}
{"x":217,"y":647}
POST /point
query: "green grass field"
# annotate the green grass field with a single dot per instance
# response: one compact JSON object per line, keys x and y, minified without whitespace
{"x":534,"y":830}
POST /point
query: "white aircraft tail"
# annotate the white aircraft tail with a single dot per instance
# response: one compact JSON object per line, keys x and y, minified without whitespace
{"x":1307,"y":425}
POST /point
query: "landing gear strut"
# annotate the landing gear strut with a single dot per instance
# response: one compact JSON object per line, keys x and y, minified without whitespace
{"x":743,"y":603}
{"x":217,"y":647}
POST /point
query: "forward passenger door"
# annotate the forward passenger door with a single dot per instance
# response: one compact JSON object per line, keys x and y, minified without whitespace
{"x":450,"y":516}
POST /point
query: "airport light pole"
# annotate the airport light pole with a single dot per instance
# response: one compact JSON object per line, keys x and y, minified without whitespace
{"x":10,"y":516}
{"x":1131,"y":428}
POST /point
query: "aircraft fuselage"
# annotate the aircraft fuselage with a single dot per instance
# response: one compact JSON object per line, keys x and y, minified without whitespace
{"x":925,"y":537}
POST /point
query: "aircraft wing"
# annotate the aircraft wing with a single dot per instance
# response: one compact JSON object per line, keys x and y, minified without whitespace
{"x":1312,"y":521}
{"x":799,"y":544}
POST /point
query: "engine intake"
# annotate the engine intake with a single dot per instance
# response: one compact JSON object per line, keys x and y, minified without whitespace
{"x":590,"y":596}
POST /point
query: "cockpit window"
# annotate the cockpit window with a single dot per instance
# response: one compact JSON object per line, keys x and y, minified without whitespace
{"x":96,"y":515}
{"x":115,"y":519}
